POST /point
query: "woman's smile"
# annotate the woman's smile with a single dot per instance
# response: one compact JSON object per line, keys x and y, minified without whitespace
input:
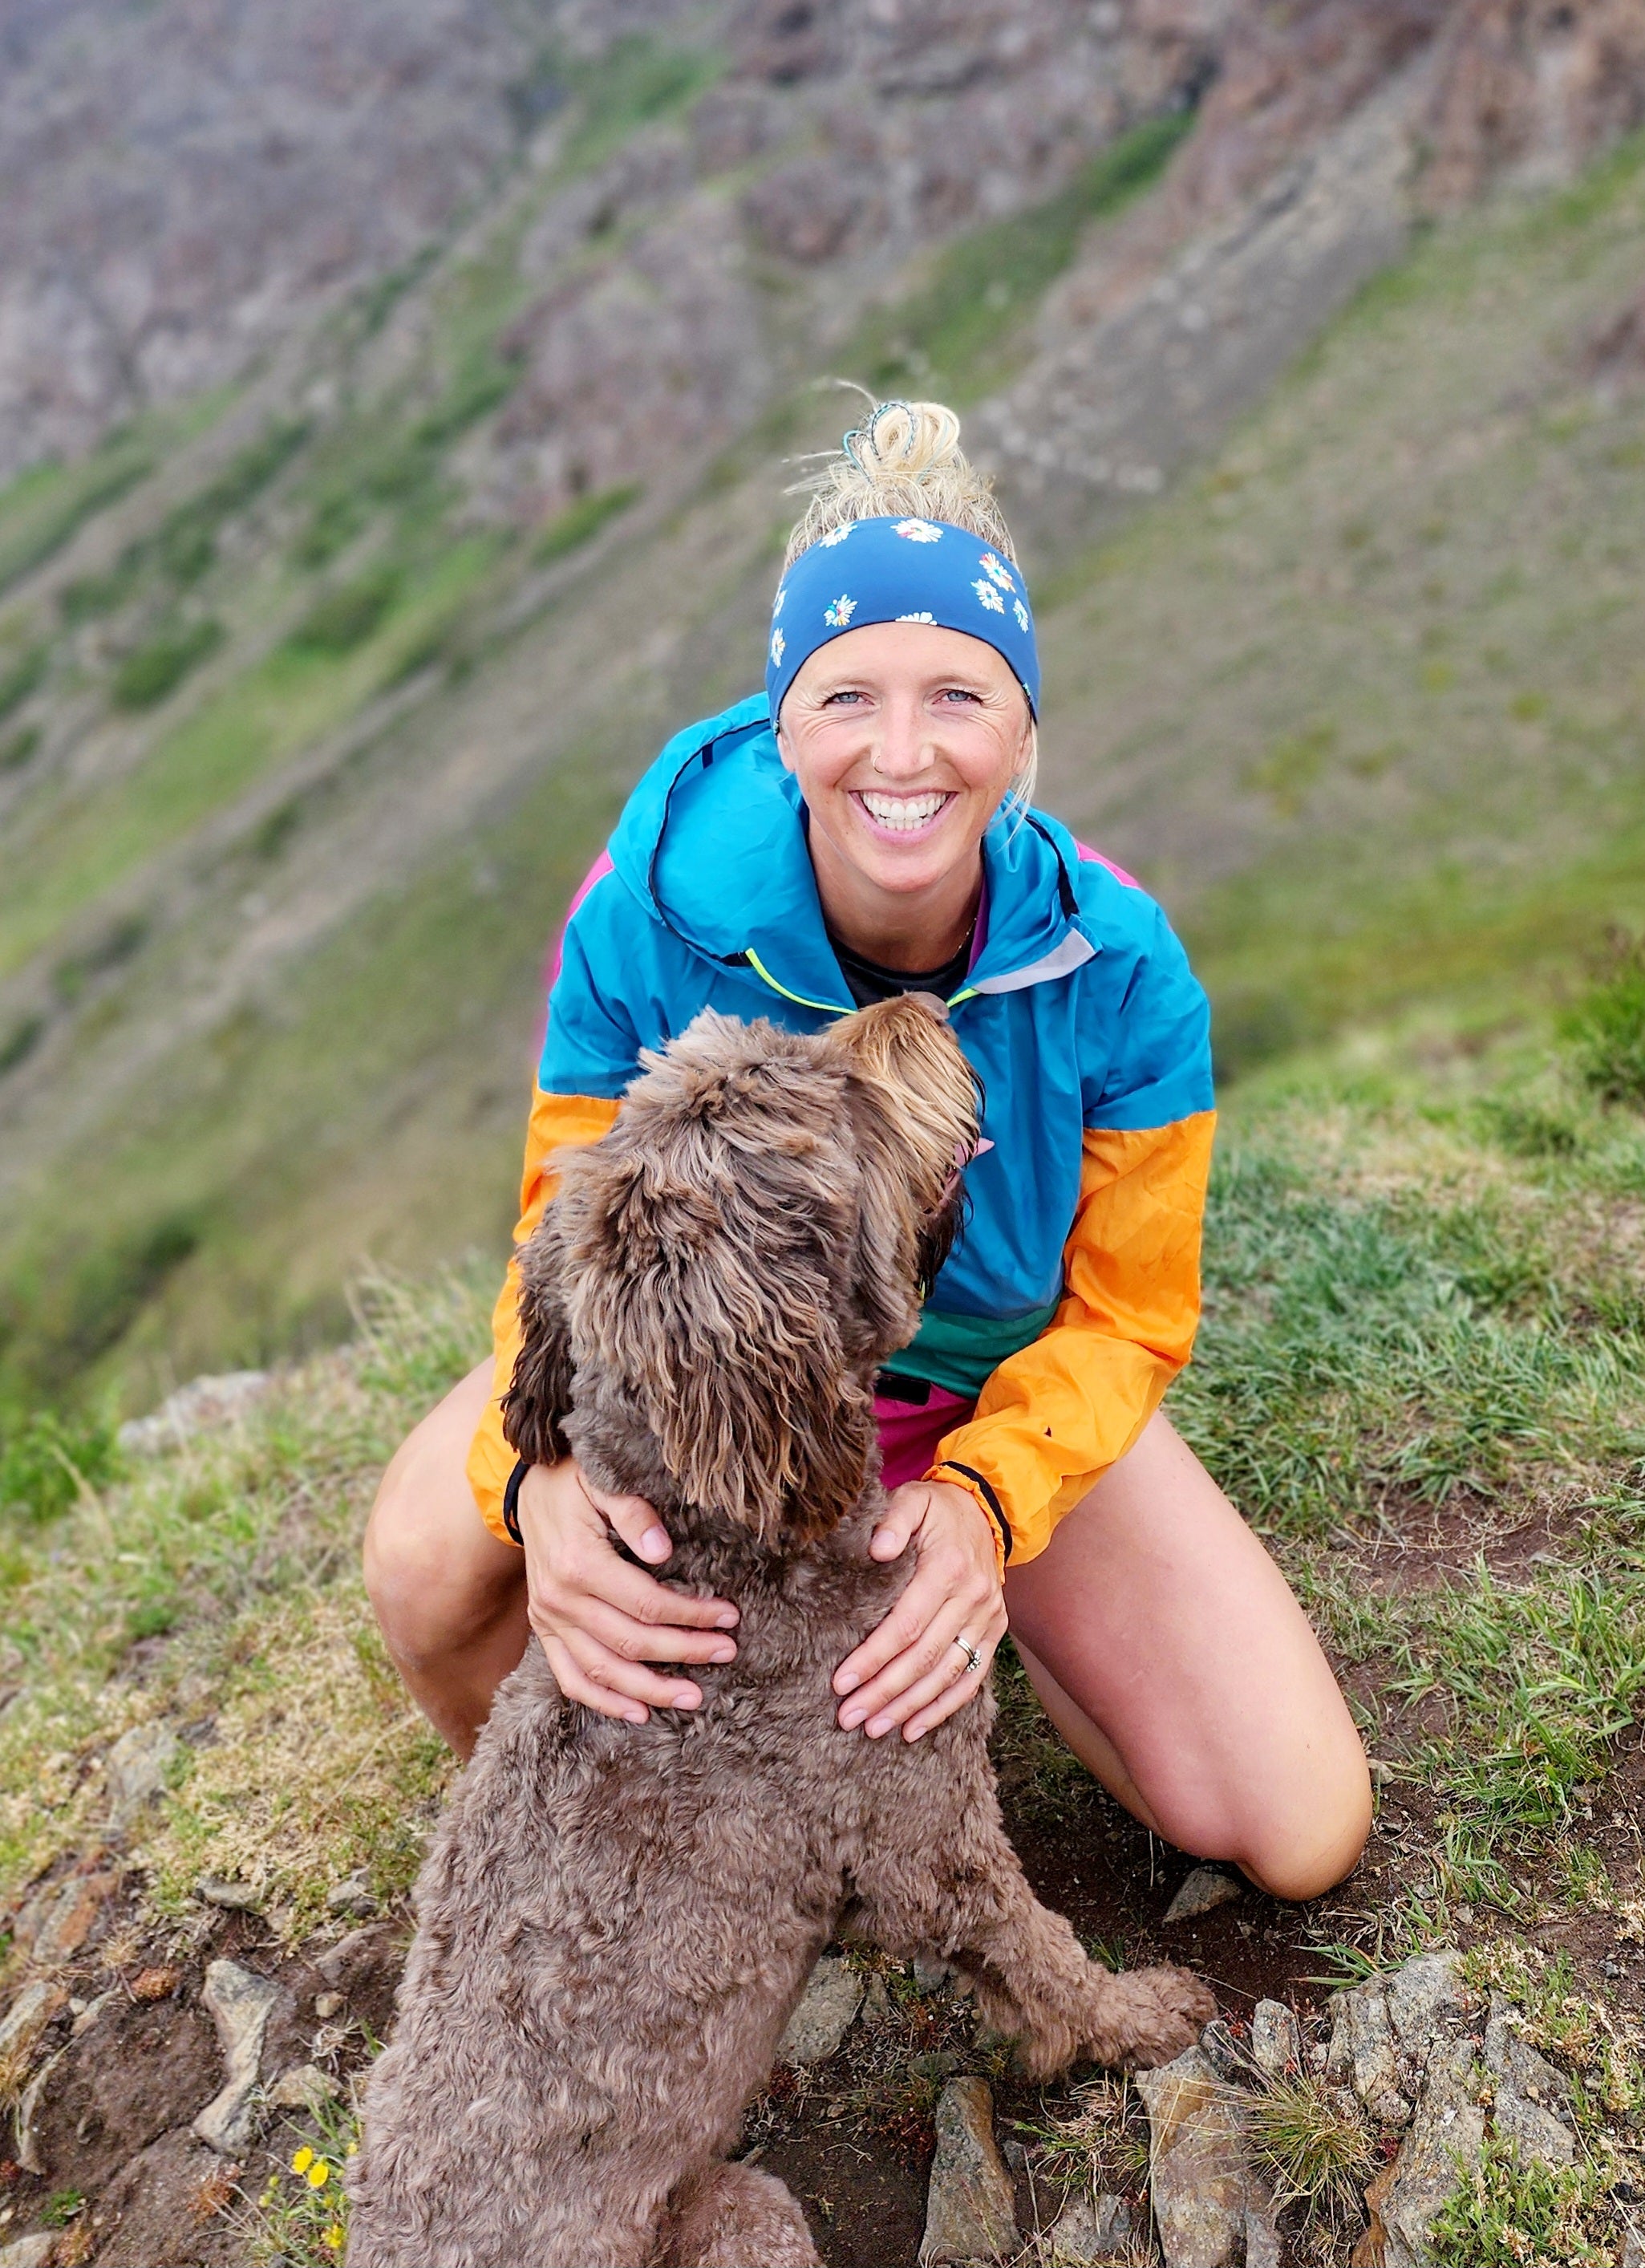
{"x":907,"y":817}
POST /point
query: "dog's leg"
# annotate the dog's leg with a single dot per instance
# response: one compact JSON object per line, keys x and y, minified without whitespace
{"x":733,"y":2216}
{"x":963,"y":1892}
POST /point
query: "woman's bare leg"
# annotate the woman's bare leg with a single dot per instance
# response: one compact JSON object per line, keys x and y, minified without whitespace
{"x":449,"y":1597}
{"x":1171,"y":1656}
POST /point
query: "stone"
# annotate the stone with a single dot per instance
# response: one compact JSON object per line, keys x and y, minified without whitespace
{"x":971,"y":2205}
{"x":827,"y":2012}
{"x":28,"y":2110}
{"x":1262,"y":2237}
{"x":352,"y":1896}
{"x":1089,"y":2230}
{"x":1446,"y":2134}
{"x":357,"y":1959}
{"x":92,"y":2011}
{"x":1424,"y":1998}
{"x":1533,"y":2101}
{"x":1633,"y":2249}
{"x":1199,"y":2178}
{"x":202,"y":1406}
{"x":26,"y":2019}
{"x":305,"y":2087}
{"x":241,"y":2003}
{"x":29,"y":2251}
{"x":67,"y":1921}
{"x":136,"y":1768}
{"x":234,"y":1897}
{"x":1369,"y":2057}
{"x":1224,"y":2054}
{"x":1206,"y":1888}
{"x":878,"y":2005}
{"x":1276,"y":2039}
{"x":930,"y":1974}
{"x":327,"y":2004}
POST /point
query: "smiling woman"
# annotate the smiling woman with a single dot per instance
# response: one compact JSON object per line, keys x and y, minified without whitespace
{"x":864,"y":828}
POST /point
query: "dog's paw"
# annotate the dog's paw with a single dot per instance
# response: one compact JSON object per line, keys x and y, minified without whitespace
{"x":1148,"y":2016}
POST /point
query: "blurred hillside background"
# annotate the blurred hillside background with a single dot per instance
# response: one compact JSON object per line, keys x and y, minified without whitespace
{"x":394,"y":399}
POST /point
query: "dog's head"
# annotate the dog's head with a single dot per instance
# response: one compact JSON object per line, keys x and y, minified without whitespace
{"x":729,"y":1266}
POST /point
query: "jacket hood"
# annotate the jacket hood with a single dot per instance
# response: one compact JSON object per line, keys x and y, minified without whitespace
{"x":713,"y":843}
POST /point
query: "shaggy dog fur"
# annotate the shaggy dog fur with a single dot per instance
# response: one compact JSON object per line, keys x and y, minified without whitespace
{"x":615,"y":1922}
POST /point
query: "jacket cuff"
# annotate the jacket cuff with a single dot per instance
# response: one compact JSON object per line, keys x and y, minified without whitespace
{"x":968,"y":1478}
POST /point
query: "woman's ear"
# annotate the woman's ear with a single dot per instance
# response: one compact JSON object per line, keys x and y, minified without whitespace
{"x":539,"y":1394}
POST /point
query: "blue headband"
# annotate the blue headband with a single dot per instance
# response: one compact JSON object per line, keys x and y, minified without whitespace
{"x":899,"y":570}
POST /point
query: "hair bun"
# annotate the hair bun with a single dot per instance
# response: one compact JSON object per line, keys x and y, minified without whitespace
{"x":904,"y":458}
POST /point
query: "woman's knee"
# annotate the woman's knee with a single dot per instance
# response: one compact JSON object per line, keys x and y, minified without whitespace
{"x":434,"y":1572}
{"x":1297,"y":1845}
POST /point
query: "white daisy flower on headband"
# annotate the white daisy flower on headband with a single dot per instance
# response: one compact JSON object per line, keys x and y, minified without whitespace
{"x":841,"y":613}
{"x":776,"y":604}
{"x":916,"y":618}
{"x":1021,"y":612}
{"x":837,"y":536}
{"x":996,"y":572}
{"x":778,"y":644}
{"x":918,"y":531}
{"x":989,"y":596}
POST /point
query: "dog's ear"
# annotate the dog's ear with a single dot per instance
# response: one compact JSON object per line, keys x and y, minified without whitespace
{"x":707,"y":1295}
{"x":539,"y":1393}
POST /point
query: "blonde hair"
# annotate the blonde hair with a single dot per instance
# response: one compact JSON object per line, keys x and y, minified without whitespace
{"x":905,"y":460}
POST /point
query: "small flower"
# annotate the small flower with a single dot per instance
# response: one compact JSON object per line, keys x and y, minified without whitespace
{"x":842,"y":611}
{"x":989,"y":596}
{"x":303,"y":2161}
{"x":916,"y":618}
{"x":996,"y":572}
{"x":837,"y":535}
{"x":354,"y":2148}
{"x":1021,"y":612}
{"x":918,"y":531}
{"x":318,"y":2174}
{"x":778,"y":645}
{"x":335,"y":2237}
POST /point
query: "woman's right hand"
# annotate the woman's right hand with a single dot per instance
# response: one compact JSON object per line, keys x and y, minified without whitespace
{"x":600,"y":1619}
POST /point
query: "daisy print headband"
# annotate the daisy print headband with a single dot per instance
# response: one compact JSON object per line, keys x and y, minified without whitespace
{"x":899,"y":570}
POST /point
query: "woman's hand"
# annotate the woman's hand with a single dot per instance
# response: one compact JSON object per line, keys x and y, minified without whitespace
{"x":601,"y":1619}
{"x":909,"y":1672}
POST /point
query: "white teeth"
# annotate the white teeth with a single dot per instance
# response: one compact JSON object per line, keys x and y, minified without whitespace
{"x":902,"y":813}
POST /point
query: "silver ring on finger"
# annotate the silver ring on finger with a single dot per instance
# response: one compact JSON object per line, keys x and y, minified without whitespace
{"x":973,"y":1659}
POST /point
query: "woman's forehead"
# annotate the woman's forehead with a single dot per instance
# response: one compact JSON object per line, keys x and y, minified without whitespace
{"x":907,"y":653}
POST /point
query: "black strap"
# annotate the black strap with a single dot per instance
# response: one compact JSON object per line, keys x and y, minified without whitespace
{"x":953,"y":1465}
{"x":511,"y":1502}
{"x":891,"y":1386}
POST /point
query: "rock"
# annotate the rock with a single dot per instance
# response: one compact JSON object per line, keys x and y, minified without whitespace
{"x":1533,"y":2101}
{"x":930,"y":1974}
{"x":1446,"y":2134}
{"x":235,"y":1897}
{"x":29,"y":2251}
{"x":304,"y":2087}
{"x":1206,"y":1888}
{"x":970,"y":2206}
{"x":26,"y":2019}
{"x":67,"y":1921}
{"x":1089,"y":2230}
{"x":327,"y":2004}
{"x":92,"y":2011}
{"x":1424,"y":1997}
{"x":1364,"y":2054}
{"x":1198,"y":2180}
{"x":352,"y":1896}
{"x":1633,"y":2249}
{"x":1262,"y":2237}
{"x":359,"y":1958}
{"x":877,"y":2007}
{"x":28,"y":2110}
{"x":1228,"y":2058}
{"x":136,"y":1767}
{"x":241,"y":2003}
{"x":199,"y":1407}
{"x":1276,"y":2039}
{"x":827,"y":2011}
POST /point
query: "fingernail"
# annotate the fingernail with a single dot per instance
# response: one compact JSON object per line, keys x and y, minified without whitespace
{"x":723,"y":1653}
{"x":638,"y":1716}
{"x":915,"y":1735}
{"x":847,"y":1681}
{"x":654,"y":1543}
{"x":686,"y":1697}
{"x":726,"y":1619}
{"x":880,"y":1724}
{"x":852,"y":1717}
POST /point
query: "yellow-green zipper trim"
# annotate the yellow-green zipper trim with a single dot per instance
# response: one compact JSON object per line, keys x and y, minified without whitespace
{"x":828,"y":1007}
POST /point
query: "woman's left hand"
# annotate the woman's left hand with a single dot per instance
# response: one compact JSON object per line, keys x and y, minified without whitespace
{"x":909,"y":1672}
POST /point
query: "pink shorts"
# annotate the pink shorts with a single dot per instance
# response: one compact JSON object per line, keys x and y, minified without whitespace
{"x":910,"y":1431}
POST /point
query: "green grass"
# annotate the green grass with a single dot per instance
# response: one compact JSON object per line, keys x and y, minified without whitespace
{"x":152,"y":673}
{"x":1512,"y":2210}
{"x":580,"y":522}
{"x":19,"y":678}
{"x":43,"y":508}
{"x":965,"y":331}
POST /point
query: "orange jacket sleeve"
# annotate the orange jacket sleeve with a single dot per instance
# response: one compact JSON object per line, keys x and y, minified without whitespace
{"x":558,"y":1121}
{"x":1054,"y":1416}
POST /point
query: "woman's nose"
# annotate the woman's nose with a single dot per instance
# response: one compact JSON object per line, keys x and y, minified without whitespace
{"x":902,"y":749}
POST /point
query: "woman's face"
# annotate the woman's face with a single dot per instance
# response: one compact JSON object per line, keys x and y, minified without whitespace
{"x":903,"y":737}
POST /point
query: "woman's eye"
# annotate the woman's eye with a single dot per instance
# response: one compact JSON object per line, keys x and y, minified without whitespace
{"x":957,"y":693}
{"x":835,"y":697}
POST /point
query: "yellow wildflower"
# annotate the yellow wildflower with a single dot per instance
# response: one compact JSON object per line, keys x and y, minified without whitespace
{"x":318,"y":2174}
{"x":354,"y":2149}
{"x":335,"y":2237}
{"x":303,"y":2161}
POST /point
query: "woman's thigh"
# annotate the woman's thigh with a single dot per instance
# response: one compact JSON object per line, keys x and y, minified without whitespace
{"x":1159,"y":1616}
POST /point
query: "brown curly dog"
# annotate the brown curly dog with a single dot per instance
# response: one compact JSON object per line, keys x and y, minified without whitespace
{"x":615,"y":1922}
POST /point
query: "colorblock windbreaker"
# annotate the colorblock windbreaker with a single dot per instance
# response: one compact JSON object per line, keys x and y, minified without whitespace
{"x":1071,"y":1296}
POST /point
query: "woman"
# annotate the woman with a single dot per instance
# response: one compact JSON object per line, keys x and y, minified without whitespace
{"x":879,"y":839}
